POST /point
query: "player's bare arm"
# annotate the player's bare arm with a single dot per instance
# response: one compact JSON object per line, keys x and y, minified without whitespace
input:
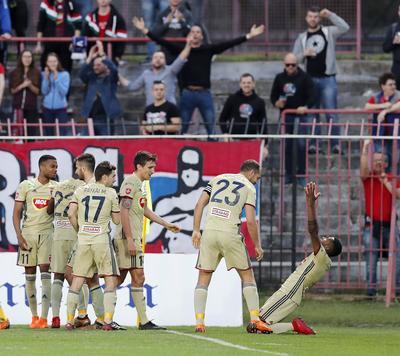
{"x":253,"y":230}
{"x":73,"y":215}
{"x":18,"y":207}
{"x":50,"y":207}
{"x":116,"y":217}
{"x":125,"y":205}
{"x":148,"y":213}
{"x":198,"y":213}
{"x":311,"y":196}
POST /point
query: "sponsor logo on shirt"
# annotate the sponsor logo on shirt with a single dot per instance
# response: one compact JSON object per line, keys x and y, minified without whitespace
{"x":40,"y":203}
{"x":221,"y":213}
{"x":63,"y":224}
{"x":128,"y":191}
{"x":91,"y":229}
{"x":142,"y":202}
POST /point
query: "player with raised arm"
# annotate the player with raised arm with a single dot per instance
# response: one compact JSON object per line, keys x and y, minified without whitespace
{"x":4,"y":322}
{"x":226,"y":196}
{"x":34,"y":239}
{"x":85,"y":164}
{"x":64,"y":239}
{"x":286,"y":300}
{"x":128,"y":237}
{"x":92,"y":208}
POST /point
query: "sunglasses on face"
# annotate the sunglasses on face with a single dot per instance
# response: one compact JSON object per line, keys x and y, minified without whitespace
{"x":290,"y":65}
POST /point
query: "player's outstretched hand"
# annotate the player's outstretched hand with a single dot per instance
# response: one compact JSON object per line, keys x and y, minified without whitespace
{"x":259,"y":253}
{"x":131,"y":247}
{"x":173,"y":227}
{"x":196,"y":237}
{"x":311,"y":192}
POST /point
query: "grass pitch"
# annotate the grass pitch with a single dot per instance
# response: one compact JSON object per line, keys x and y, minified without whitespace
{"x":343,"y":328}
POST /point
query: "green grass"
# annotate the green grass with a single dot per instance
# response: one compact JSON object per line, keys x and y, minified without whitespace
{"x":343,"y":328}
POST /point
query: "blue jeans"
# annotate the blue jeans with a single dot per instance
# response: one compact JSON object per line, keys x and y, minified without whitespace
{"x":300,"y":145}
{"x":372,"y":246}
{"x":150,"y":10}
{"x":201,"y":99}
{"x":103,"y":127}
{"x":326,"y":98}
{"x":50,"y":116}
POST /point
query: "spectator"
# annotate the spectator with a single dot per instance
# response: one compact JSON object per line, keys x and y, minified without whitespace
{"x":57,"y":18}
{"x":244,"y":111}
{"x":2,"y":84}
{"x":150,"y":10}
{"x":174,"y":21}
{"x":55,"y":88}
{"x":316,"y":49}
{"x":83,"y":6}
{"x":101,"y":78}
{"x":392,"y":44}
{"x":293,"y":89}
{"x":5,"y":30}
{"x":387,"y":100}
{"x":19,"y":17}
{"x":160,"y":72}
{"x":25,"y":90}
{"x":161,"y":117}
{"x":106,"y":21}
{"x":195,"y":75}
{"x":378,"y":193}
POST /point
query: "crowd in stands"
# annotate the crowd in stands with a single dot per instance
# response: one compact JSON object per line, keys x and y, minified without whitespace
{"x":184,"y":67}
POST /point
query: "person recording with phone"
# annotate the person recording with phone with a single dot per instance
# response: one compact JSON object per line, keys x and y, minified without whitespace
{"x":55,"y":87}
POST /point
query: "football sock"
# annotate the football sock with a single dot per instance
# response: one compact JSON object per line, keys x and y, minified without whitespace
{"x":56,"y":295}
{"x":98,"y":301}
{"x":30,"y":290}
{"x":281,"y":327}
{"x":2,"y":314}
{"x":251,"y":296}
{"x":200,"y":300}
{"x":110,"y":299}
{"x":72,"y":303}
{"x":140,"y":303}
{"x":83,"y":300}
{"x":46,"y":293}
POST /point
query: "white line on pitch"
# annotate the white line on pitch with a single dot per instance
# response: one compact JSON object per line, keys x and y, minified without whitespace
{"x":225,"y":343}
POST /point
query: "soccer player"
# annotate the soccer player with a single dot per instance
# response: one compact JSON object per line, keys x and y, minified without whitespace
{"x":226,"y":196}
{"x":128,"y":237}
{"x":92,"y":208}
{"x":310,"y":271}
{"x":34,"y":239}
{"x":4,"y":322}
{"x":64,"y":239}
{"x":85,"y":164}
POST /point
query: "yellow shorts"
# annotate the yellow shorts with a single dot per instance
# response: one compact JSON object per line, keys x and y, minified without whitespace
{"x":39,"y":249}
{"x":217,"y":244}
{"x":124,"y":259}
{"x":60,"y":252}
{"x":95,"y":258}
{"x":277,"y":308}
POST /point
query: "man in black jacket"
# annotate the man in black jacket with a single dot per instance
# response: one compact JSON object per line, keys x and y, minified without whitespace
{"x":196,"y":73}
{"x":392,"y":44}
{"x":244,"y":111}
{"x":293,"y":89}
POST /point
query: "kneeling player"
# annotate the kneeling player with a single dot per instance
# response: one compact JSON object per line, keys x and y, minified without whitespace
{"x":284,"y":301}
{"x":91,"y":209}
{"x":128,"y":238}
{"x":226,"y":196}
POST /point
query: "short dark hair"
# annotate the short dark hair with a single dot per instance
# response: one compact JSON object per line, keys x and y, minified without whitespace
{"x":314,"y":9}
{"x":156,"y":82}
{"x":385,"y":77}
{"x":245,"y":75}
{"x":336,"y":247}
{"x":250,"y":165}
{"x":45,"y":158}
{"x":142,"y":157}
{"x":88,"y":159}
{"x":103,"y":168}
